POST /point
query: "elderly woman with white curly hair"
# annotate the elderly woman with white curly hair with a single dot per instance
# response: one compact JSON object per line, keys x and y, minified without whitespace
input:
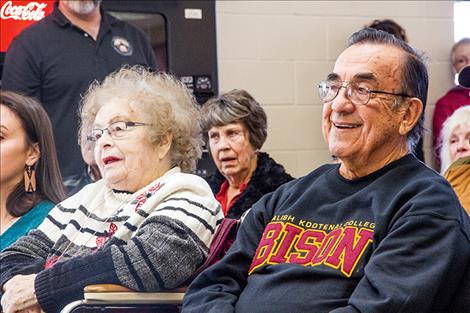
{"x":147,"y":224}
{"x":455,"y":154}
{"x":455,"y":137}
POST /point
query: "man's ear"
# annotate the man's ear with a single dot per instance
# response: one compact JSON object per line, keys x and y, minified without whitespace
{"x":33,"y":154}
{"x":165,"y":145}
{"x":411,"y":115}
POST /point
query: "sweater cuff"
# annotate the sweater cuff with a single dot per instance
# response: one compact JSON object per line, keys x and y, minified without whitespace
{"x":45,"y":299}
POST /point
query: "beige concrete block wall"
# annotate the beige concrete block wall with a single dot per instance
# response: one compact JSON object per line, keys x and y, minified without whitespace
{"x":279,"y":50}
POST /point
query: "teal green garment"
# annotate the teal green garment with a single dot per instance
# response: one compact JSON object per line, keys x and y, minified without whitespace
{"x":29,"y":221}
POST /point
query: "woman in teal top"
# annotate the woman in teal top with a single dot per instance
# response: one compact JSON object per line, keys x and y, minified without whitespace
{"x":30,"y":181}
{"x":25,"y":223}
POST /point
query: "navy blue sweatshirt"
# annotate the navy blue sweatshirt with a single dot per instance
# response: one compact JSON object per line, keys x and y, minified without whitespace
{"x":396,"y":240}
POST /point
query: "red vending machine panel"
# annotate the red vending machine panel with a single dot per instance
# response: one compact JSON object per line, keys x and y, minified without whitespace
{"x":15,"y":15}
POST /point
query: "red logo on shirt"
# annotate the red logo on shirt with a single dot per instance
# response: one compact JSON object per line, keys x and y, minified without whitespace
{"x":341,"y":248}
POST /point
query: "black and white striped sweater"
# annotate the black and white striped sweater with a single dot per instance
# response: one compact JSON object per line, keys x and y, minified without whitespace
{"x":150,"y":240}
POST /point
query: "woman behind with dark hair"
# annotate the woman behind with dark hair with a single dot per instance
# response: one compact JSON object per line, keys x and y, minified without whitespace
{"x":29,"y":172}
{"x":389,"y":26}
{"x":235,"y":128}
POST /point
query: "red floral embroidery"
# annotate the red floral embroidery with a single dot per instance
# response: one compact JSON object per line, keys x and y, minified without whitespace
{"x":154,"y":189}
{"x":102,"y":239}
{"x":144,"y":196}
{"x":112,"y":229}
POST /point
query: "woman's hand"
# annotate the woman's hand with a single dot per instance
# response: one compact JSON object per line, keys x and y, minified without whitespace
{"x":19,"y":295}
{"x":34,"y":309}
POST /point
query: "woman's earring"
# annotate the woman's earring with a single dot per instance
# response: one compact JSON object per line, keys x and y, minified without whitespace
{"x":29,"y":179}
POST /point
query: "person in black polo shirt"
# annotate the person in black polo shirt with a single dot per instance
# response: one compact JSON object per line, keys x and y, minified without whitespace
{"x":57,"y":58}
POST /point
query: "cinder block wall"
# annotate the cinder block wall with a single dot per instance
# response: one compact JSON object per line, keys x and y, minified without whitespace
{"x":279,"y":50}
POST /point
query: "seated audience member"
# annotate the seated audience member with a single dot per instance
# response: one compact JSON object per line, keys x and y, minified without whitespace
{"x":146,"y":225}
{"x":29,"y":171}
{"x":392,"y":27}
{"x":389,"y":26}
{"x":458,"y":175}
{"x":455,"y":153}
{"x":84,"y":43}
{"x":378,"y":232}
{"x":91,"y":172}
{"x":235,"y":127}
{"x":454,"y":98}
{"x":455,"y":137}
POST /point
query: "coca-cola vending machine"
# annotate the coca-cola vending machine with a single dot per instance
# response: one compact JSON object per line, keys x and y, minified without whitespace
{"x":182,"y":33}
{"x":15,"y":15}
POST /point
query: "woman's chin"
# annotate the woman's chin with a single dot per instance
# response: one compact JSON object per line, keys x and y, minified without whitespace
{"x":229,"y":173}
{"x":115,"y":183}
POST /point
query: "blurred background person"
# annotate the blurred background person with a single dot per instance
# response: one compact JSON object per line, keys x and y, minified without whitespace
{"x":455,"y":154}
{"x":392,"y":27}
{"x":389,"y":26}
{"x":456,"y":150}
{"x":235,"y":128}
{"x":455,"y":137}
{"x":458,"y":175}
{"x":147,"y":224}
{"x":454,"y":98}
{"x":29,"y":172}
{"x":90,"y":172}
{"x":56,"y":59}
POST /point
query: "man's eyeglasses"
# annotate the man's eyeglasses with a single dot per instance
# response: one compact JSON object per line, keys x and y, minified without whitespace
{"x":115,"y":130}
{"x":358,"y":93}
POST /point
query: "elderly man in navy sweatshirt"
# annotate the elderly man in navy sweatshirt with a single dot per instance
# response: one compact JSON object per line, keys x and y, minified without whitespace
{"x":377,"y":232}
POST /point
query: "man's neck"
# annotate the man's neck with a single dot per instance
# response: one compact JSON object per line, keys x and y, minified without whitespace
{"x":353,"y":169}
{"x":90,"y":23}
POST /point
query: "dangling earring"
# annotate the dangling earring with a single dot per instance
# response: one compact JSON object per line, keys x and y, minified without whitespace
{"x":29,"y":179}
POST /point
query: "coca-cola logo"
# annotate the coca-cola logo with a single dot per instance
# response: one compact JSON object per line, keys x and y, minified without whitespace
{"x":33,"y":11}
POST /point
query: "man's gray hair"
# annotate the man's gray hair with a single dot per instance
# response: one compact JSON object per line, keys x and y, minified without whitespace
{"x":461,"y":42}
{"x":414,"y":80}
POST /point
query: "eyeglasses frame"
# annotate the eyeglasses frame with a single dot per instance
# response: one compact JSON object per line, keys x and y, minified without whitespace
{"x":128,"y":124}
{"x":345,"y":84}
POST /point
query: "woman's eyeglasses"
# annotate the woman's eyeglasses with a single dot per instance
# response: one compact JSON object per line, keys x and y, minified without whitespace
{"x":115,"y":130}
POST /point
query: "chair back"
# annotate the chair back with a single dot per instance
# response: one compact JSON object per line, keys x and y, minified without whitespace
{"x":106,"y":297}
{"x":223,"y":240}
